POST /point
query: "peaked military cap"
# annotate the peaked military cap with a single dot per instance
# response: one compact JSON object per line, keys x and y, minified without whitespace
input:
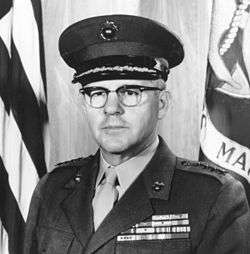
{"x":119,"y":47}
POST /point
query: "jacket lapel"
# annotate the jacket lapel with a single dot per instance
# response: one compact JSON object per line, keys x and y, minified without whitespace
{"x":135,"y":205}
{"x":123,"y":215}
{"x":77,"y":205}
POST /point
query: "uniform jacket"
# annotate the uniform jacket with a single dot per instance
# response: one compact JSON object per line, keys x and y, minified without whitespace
{"x":204,"y":210}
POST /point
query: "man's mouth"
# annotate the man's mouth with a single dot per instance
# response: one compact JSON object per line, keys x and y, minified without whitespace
{"x":114,"y":127}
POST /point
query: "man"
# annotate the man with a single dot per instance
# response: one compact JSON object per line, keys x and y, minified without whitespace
{"x":134,"y":195}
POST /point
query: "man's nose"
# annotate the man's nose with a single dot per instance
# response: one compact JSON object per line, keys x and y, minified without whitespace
{"x":113,"y":105}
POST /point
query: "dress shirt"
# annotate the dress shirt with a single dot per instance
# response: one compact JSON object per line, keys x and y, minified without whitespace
{"x":128,"y":171}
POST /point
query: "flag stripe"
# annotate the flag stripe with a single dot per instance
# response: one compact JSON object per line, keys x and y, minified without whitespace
{"x":5,"y":6}
{"x":4,"y":63}
{"x":5,"y":27}
{"x":10,"y":214}
{"x":27,"y":112}
{"x":38,"y":16}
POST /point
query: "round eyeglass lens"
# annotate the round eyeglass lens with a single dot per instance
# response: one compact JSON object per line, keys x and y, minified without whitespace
{"x":129,"y":96}
{"x":98,"y":98}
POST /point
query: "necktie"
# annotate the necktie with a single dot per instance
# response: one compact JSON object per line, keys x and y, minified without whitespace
{"x":105,"y":197}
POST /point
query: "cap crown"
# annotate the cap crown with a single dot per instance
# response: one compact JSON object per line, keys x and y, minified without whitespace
{"x":116,"y":35}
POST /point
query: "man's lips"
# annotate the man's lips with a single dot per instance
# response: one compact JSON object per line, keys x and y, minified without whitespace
{"x":114,"y":127}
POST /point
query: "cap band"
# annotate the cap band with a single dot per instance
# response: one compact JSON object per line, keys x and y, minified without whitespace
{"x":122,"y":67}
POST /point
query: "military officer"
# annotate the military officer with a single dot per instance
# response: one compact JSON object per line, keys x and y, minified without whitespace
{"x":134,"y":195}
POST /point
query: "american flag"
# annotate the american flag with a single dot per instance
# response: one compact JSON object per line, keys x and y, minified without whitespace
{"x":23,"y":116}
{"x":225,"y":132}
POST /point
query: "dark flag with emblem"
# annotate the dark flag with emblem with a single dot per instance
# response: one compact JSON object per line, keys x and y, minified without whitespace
{"x":225,"y":125}
{"x":23,"y":116}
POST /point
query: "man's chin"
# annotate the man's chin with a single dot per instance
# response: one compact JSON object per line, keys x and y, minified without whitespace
{"x":114,"y":149}
{"x":114,"y":146}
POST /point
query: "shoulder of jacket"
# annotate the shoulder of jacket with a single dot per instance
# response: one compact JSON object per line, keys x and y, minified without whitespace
{"x":71,"y":164}
{"x":66,"y":173}
{"x":75,"y":162}
{"x":202,"y":168}
{"x":69,"y":169}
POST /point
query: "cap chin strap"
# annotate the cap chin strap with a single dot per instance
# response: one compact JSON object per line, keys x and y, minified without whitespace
{"x":110,"y":74}
{"x":122,"y":67}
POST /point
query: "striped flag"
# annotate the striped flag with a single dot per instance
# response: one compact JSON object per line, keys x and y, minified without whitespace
{"x":23,"y":116}
{"x":225,"y":125}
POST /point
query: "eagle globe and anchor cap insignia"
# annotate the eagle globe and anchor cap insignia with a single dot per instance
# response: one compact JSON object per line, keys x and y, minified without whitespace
{"x":109,"y":31}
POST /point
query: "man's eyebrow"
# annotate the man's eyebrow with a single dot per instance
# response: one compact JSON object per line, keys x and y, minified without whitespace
{"x":130,"y":84}
{"x":94,"y":87}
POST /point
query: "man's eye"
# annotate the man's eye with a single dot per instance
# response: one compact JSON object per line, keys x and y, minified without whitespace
{"x":97,"y":93}
{"x":131,"y":92}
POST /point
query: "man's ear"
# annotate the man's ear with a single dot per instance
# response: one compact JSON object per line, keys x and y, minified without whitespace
{"x":164,"y":102}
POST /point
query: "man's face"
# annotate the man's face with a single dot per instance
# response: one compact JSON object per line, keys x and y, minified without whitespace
{"x":120,"y":129}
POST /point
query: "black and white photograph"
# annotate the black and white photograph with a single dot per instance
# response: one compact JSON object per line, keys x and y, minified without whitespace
{"x":124,"y":126}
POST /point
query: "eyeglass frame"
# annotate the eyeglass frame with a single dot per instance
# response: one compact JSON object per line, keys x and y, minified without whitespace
{"x":88,"y":90}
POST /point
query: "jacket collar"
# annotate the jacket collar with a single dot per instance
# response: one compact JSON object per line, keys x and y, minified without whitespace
{"x":159,"y":172}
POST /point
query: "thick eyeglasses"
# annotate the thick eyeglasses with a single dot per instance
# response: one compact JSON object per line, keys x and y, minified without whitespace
{"x":128,"y":95}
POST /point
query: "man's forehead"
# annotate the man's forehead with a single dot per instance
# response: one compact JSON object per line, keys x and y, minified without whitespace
{"x":120,"y":82}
